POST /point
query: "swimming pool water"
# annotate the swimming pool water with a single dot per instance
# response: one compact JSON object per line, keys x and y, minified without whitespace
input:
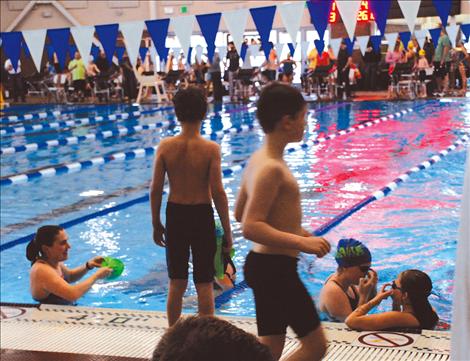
{"x":415,"y":227}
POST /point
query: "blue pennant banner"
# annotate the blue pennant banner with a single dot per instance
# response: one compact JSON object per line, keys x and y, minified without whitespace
{"x":319,"y":12}
{"x":143,"y":53}
{"x":72,"y":50}
{"x":11,"y":43}
{"x":376,"y":40}
{"x":350,"y":45}
{"x":320,"y":45}
{"x":60,"y":42}
{"x":107,"y":34}
{"x":243,"y":51}
{"x":263,"y":18}
{"x":405,"y":37}
{"x":95,"y":51}
{"x":443,"y":9}
{"x":380,"y":9}
{"x":25,"y":49}
{"x":435,"y":34}
{"x":190,"y":54}
{"x":291,"y":48}
{"x":158,"y":30}
{"x":120,"y":52}
{"x":466,"y":31}
{"x":50,"y":53}
{"x":209,"y":24}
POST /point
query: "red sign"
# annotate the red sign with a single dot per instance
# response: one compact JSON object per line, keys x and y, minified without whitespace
{"x":364,"y":13}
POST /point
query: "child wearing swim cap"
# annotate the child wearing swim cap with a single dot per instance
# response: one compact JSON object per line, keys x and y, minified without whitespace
{"x":421,"y":66}
{"x":353,"y":283}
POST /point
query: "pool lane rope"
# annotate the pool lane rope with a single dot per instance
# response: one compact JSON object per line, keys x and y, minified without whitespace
{"x":227,"y":172}
{"x":119,"y":156}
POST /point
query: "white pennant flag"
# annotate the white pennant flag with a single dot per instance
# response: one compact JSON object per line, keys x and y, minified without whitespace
{"x":362,"y":41}
{"x":391,"y":39}
{"x":291,"y":15}
{"x":199,"y":50}
{"x":83,"y":37}
{"x":452,"y":32}
{"x":132,"y":33}
{"x":222,"y":52}
{"x":410,"y":8}
{"x":335,"y":44}
{"x":183,"y":27}
{"x":35,"y":40}
{"x":348,"y":11}
{"x":421,"y":37}
{"x":236,"y":25}
{"x":279,"y":47}
{"x":247,"y":61}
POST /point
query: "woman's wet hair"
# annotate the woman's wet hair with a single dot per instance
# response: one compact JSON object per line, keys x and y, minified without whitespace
{"x":277,"y":100}
{"x":45,"y":236}
{"x":418,"y":285}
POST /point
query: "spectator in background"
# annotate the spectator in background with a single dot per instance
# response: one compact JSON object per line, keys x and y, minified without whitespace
{"x":421,"y":66}
{"x":129,"y":81}
{"x":442,"y":62}
{"x":344,"y":62}
{"x":288,"y":66}
{"x":102,"y":64}
{"x":207,"y":338}
{"x":463,"y":66}
{"x":15,"y":81}
{"x":78,"y":70}
{"x":233,"y":66}
{"x":371,"y":66}
{"x":215,"y":78}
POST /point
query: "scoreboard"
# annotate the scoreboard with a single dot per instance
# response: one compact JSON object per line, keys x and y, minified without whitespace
{"x":364,"y":14}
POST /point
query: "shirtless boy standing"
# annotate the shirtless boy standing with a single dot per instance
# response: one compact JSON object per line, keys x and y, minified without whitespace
{"x":268,"y":206}
{"x":193,"y":165}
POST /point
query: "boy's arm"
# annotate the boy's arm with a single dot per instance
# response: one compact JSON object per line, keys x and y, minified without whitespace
{"x":156,"y":190}
{"x":219,"y":196}
{"x":255,"y":225}
{"x":240,"y":202}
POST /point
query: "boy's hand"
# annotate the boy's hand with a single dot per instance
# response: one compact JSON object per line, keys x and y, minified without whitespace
{"x":315,"y":245}
{"x":159,"y":235}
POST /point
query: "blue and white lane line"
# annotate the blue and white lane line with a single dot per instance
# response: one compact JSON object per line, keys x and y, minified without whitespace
{"x":390,"y":187}
{"x":119,"y":156}
{"x":72,"y":123}
{"x":225,"y":172}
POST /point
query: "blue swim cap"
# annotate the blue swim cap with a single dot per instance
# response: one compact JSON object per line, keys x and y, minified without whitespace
{"x":351,"y":252}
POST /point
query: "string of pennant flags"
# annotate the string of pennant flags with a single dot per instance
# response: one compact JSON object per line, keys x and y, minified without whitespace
{"x":33,"y":42}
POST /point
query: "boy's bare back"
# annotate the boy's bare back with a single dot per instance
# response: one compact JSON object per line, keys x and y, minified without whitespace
{"x":188,"y":162}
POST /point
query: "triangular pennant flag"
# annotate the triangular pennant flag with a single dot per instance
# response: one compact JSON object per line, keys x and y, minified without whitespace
{"x":199,"y":50}
{"x":83,"y":38}
{"x":158,"y":30}
{"x":25,"y":49}
{"x":190,"y":54}
{"x":95,"y":51}
{"x":410,"y":8}
{"x":183,"y":27}
{"x":209,"y":24}
{"x":350,"y":45}
{"x":421,"y":37}
{"x":452,"y":32}
{"x":263,"y":18}
{"x":380,"y":9}
{"x":243,"y":51}
{"x":11,"y":43}
{"x":60,"y":41}
{"x":279,"y":47}
{"x":443,"y":9}
{"x":405,"y":37}
{"x":291,"y":48}
{"x":319,"y":45}
{"x":143,"y":53}
{"x":435,"y":34}
{"x":391,"y":39}
{"x":72,"y":50}
{"x":335,"y":44}
{"x":35,"y":40}
{"x":465,"y":30}
{"x":362,"y":41}
{"x":50,"y":52}
{"x":291,"y":15}
{"x":319,"y":13}
{"x":376,"y":40}
{"x":348,"y":11}
{"x":120,"y":52}
{"x":153,"y":54}
{"x":236,"y":24}
{"x":108,"y":34}
{"x":222,"y":52}
{"x":132,"y":33}
{"x":247,"y":59}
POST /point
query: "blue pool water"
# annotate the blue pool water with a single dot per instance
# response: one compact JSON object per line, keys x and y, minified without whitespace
{"x":415,"y":227}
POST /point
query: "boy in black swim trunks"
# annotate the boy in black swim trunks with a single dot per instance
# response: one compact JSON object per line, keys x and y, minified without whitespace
{"x":268,"y":206}
{"x":193,"y":165}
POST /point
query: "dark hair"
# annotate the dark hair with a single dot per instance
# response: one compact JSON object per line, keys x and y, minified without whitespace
{"x":44,"y":237}
{"x":207,"y":338}
{"x":190,"y":104}
{"x":275,"y":101}
{"x":418,"y":285}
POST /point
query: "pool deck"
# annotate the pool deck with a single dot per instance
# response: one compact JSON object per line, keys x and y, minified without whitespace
{"x":57,"y":333}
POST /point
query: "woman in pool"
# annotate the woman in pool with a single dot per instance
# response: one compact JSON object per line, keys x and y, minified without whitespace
{"x":49,"y":278}
{"x":411,"y":308}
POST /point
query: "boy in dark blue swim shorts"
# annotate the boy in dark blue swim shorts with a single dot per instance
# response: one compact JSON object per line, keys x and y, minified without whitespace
{"x":193,"y":166}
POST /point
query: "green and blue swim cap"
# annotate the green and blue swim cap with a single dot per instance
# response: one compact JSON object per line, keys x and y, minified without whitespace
{"x":351,"y":252}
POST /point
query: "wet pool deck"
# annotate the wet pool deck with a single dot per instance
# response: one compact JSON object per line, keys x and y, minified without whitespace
{"x":57,"y":333}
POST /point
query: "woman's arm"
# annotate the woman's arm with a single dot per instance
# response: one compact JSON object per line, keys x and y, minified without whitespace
{"x":77,"y":273}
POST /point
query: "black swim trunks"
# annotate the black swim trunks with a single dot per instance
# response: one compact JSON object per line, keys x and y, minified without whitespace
{"x":190,"y":226}
{"x":281,"y":298}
